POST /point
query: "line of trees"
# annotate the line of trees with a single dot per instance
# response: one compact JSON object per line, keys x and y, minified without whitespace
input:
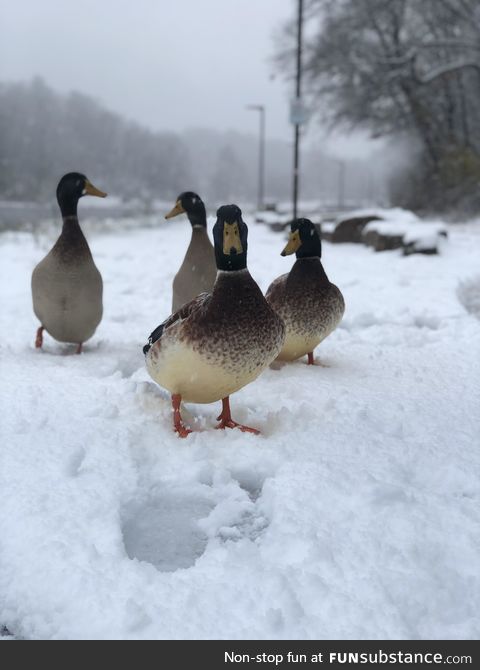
{"x":44,"y":134}
{"x":408,"y":69}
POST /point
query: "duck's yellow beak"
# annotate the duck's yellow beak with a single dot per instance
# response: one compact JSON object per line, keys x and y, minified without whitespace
{"x":178,"y":209}
{"x":294,"y":243}
{"x":231,"y":239}
{"x":90,"y":189}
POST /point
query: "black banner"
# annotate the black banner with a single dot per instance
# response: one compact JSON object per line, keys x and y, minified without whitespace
{"x":291,"y":654}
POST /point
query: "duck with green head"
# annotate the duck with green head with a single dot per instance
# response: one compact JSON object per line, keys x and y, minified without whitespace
{"x":198,"y":270}
{"x":66,"y":284}
{"x":309,"y":304}
{"x":220,"y":341}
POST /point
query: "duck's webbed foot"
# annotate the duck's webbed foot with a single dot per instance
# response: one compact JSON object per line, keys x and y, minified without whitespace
{"x":226,"y":420}
{"x":39,"y":338}
{"x":178,"y":425}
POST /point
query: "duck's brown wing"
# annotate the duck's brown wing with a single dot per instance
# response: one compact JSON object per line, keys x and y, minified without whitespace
{"x":275,"y":294}
{"x":184,"y":312}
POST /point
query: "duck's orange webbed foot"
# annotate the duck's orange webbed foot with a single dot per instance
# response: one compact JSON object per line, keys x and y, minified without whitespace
{"x":39,"y":338}
{"x":178,"y":425}
{"x":226,"y":420}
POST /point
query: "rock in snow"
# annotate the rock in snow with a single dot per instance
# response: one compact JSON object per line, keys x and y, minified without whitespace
{"x":354,"y":515}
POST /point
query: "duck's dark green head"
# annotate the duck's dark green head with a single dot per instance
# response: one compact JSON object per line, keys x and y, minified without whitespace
{"x":230,"y":234}
{"x":304,"y":240}
{"x":71,"y":188}
{"x":192,"y":205}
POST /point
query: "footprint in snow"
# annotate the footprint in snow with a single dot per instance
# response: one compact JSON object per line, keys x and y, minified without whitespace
{"x":163,"y":529}
{"x":170,"y":528}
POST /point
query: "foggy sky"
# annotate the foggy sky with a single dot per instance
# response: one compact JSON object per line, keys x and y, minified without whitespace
{"x":167,"y":64}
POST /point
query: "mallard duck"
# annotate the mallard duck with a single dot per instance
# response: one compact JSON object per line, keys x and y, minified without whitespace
{"x":198,"y":270}
{"x":66,"y":285}
{"x":219,"y":341}
{"x":309,"y":304}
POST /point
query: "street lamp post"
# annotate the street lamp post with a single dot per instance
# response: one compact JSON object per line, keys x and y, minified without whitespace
{"x":341,"y":184}
{"x":298,"y":93}
{"x":261,"y":155}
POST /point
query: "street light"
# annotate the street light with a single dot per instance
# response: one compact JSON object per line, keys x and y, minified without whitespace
{"x":341,"y":184}
{"x":298,"y":99}
{"x":261,"y":154}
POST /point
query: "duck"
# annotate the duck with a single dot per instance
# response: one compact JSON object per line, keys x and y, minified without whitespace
{"x":66,"y":285}
{"x":221,"y":340}
{"x":198,"y":271}
{"x":309,"y":304}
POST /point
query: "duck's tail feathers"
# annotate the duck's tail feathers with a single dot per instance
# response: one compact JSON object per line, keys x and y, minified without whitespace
{"x":154,"y":336}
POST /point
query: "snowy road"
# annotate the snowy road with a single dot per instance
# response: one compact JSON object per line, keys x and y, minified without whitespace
{"x":355,"y":514}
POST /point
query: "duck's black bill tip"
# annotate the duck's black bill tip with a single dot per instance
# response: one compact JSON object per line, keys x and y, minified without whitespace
{"x":146,"y":349}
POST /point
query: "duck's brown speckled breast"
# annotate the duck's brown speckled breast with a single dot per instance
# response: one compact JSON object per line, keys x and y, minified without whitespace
{"x":309,"y":304}
{"x":238,"y":329}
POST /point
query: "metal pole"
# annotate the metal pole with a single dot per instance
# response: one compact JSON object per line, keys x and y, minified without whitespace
{"x":261,"y":155}
{"x":298,"y":93}
{"x":261,"y":160}
{"x":341,"y":184}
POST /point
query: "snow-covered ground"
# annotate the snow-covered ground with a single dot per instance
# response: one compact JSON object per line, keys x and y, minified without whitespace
{"x":354,"y":515}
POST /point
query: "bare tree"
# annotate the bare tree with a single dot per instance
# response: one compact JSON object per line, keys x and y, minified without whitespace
{"x":408,"y":67}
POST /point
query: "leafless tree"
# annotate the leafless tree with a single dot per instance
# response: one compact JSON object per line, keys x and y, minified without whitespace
{"x":402,"y":67}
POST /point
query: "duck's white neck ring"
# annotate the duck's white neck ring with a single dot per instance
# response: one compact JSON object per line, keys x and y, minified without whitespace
{"x":232,"y":272}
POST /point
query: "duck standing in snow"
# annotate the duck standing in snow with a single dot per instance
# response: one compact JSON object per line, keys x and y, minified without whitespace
{"x":66,"y":284}
{"x":219,"y":341}
{"x":198,"y":270}
{"x":309,"y":304}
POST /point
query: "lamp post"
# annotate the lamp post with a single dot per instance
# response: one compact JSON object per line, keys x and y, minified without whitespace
{"x":341,"y":184}
{"x":261,"y":154}
{"x":297,"y":111}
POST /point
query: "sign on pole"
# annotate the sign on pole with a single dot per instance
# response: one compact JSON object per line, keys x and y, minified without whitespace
{"x":299,"y":113}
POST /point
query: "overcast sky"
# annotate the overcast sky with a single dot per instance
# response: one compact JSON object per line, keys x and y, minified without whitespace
{"x":169,"y":65}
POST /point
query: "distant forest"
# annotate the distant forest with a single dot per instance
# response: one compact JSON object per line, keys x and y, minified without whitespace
{"x":44,"y":134}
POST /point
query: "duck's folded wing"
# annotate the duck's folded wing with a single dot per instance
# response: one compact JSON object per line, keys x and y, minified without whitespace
{"x":184,"y":312}
{"x":276,"y":291}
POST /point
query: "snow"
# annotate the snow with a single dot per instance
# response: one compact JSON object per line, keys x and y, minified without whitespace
{"x":469,"y":294}
{"x":392,"y":215}
{"x":272,"y":217}
{"x":354,"y":515}
{"x":425,"y":235}
{"x":328,"y":226}
{"x":410,"y":231}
